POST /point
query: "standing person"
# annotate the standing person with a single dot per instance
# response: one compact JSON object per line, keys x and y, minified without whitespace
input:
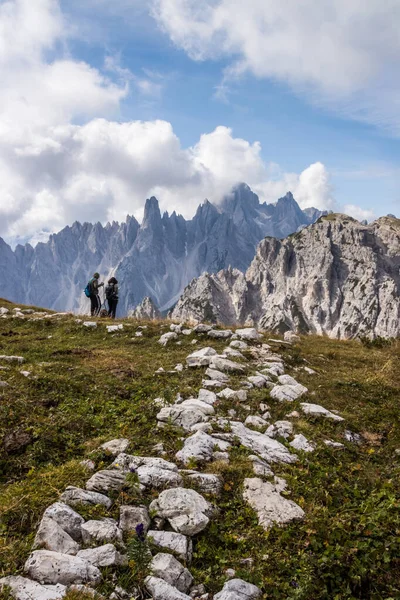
{"x":92,"y":291}
{"x":112,"y":296}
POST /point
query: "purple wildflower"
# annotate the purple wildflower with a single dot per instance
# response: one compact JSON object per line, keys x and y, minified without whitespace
{"x":140,"y":531}
{"x":132,"y":470}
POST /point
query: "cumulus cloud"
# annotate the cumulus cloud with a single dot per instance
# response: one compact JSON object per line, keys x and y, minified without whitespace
{"x":339,"y":53}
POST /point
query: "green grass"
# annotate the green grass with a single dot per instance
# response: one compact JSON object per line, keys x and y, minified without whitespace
{"x":87,"y":386}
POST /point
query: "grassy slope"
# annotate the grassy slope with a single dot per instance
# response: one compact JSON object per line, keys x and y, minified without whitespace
{"x":87,"y":387}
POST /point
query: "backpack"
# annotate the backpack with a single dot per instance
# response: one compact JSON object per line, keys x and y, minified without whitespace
{"x":110,"y":292}
{"x":88,"y":289}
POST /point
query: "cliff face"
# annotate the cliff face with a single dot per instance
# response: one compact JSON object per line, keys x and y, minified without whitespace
{"x":156,"y":259}
{"x":336,"y":277}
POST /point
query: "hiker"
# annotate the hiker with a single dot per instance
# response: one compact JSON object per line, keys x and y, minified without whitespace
{"x":112,"y":296}
{"x":92,"y":292}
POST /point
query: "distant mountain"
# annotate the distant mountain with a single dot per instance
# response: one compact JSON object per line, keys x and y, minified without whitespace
{"x":337,"y":277}
{"x":156,"y":259}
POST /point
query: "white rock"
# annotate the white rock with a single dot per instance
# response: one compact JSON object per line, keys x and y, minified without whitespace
{"x":4,"y":311}
{"x":92,"y":324}
{"x":287,"y":393}
{"x":239,"y":345}
{"x":260,"y":381}
{"x":221,"y":456}
{"x":264,"y":407}
{"x":287,"y":380}
{"x":309,"y":371}
{"x":249,"y":334}
{"x":131,"y":516}
{"x":228,"y":394}
{"x":50,"y":536}
{"x":217,"y":375}
{"x":226,"y":365}
{"x":179,"y":368}
{"x":12,"y":359}
{"x":161,"y":590}
{"x":290,"y":336}
{"x":207,"y":427}
{"x":114,"y":328}
{"x":194,"y":342}
{"x":237,"y":589}
{"x":52,"y":567}
{"x":103,"y":556}
{"x":256,"y":421}
{"x":270,"y":506}
{"x":138,"y":333}
{"x":187,"y":331}
{"x":294,"y":414}
{"x":333,"y":444}
{"x":300,"y":442}
{"x":186,"y":510}
{"x":260,"y":467}
{"x":350,"y":436}
{"x":315,"y":410}
{"x":167,"y":337}
{"x":211,"y":383}
{"x":156,"y":477}
{"x":69,"y":520}
{"x":127,"y":462}
{"x":202,"y":328}
{"x":114,"y":447}
{"x":267,"y":448}
{"x":206,"y":482}
{"x":167,"y":567}
{"x":220,"y":334}
{"x":200,"y":446}
{"x":175,"y":542}
{"x":198,"y":404}
{"x":104,"y":531}
{"x":280,"y":429}
{"x":232,"y":353}
{"x":176,"y":328}
{"x":201,"y":357}
{"x":23,"y":588}
{"x":207,"y":397}
{"x":182,"y":416}
{"x":105,"y":481}
{"x":74,"y":495}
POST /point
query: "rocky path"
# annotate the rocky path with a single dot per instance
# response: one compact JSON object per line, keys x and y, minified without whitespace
{"x":69,"y":552}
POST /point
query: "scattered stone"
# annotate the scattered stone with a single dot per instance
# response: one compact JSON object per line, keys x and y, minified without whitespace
{"x":199,"y":591}
{"x":16,"y":441}
{"x":176,"y":328}
{"x":185,"y":509}
{"x":267,"y":448}
{"x":270,"y":506}
{"x":228,"y":394}
{"x":179,"y":368}
{"x":260,"y":381}
{"x":300,"y":442}
{"x":350,"y":436}
{"x":69,"y":520}
{"x":207,"y":427}
{"x":115,"y":447}
{"x":114,"y":328}
{"x":232,"y":413}
{"x":180,"y":544}
{"x":260,"y":467}
{"x":294,"y":414}
{"x":159,"y":371}
{"x":103,"y":531}
{"x":103,"y":556}
{"x":248,"y":334}
{"x":266,"y":416}
{"x":202,"y":328}
{"x":256,"y":421}
{"x":217,"y":375}
{"x":221,"y":456}
{"x":207,"y":397}
{"x":230,"y":573}
{"x":232,"y":353}
{"x":12,"y":359}
{"x":91,"y":324}
{"x":23,"y":588}
{"x":167,"y":337}
{"x":52,"y":567}
{"x":201,"y":358}
{"x":287,"y":380}
{"x":210,"y":383}
{"x":187,"y":331}
{"x":237,"y":589}
{"x":309,"y":371}
{"x":287,"y":393}
{"x":76,"y":496}
{"x":166,"y":567}
{"x":222,"y":334}
{"x":182,"y":416}
{"x":226,"y":365}
{"x":315,"y":410}
{"x":3,"y":311}
{"x":290,"y":336}
{"x":333,"y":444}
{"x":131,"y":516}
{"x":280,"y":429}
{"x":161,"y":590}
{"x":239,"y":345}
{"x":138,"y":333}
{"x":279,"y":342}
{"x":25,"y":373}
{"x":274,"y":369}
{"x":105,"y":481}
{"x":194,"y":342}
{"x":206,"y":482}
{"x":200,"y":446}
{"x":50,"y":536}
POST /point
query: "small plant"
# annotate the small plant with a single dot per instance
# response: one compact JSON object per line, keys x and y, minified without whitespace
{"x":139,"y":557}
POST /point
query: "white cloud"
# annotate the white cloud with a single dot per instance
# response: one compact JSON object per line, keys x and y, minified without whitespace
{"x":339,"y":53}
{"x":359,"y":213}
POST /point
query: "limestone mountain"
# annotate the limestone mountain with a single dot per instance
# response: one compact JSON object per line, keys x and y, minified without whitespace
{"x":337,"y":277}
{"x":155,"y":259}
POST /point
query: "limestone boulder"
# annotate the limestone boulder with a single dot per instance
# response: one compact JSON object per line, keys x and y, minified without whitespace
{"x":50,"y":536}
{"x":106,"y":481}
{"x":131,"y":516}
{"x":67,"y":518}
{"x":201,"y":358}
{"x":103,"y":556}
{"x":271,"y":507}
{"x":237,"y":589}
{"x":167,"y":567}
{"x":23,"y":588}
{"x":185,"y":509}
{"x":101,"y":532}
{"x":48,"y":567}
{"x":75,"y":496}
{"x":179,"y":544}
{"x":161,"y":590}
{"x":315,"y":410}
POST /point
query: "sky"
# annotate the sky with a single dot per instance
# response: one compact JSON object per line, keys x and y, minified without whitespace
{"x":104,"y":104}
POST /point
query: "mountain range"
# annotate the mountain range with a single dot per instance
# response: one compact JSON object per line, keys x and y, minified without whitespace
{"x":336,"y":277}
{"x":156,"y":258}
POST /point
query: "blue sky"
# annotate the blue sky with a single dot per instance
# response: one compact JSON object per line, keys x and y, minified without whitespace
{"x":323,"y":112}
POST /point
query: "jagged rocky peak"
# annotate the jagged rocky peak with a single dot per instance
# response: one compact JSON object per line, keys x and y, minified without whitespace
{"x":146,"y":310}
{"x":336,"y":277}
